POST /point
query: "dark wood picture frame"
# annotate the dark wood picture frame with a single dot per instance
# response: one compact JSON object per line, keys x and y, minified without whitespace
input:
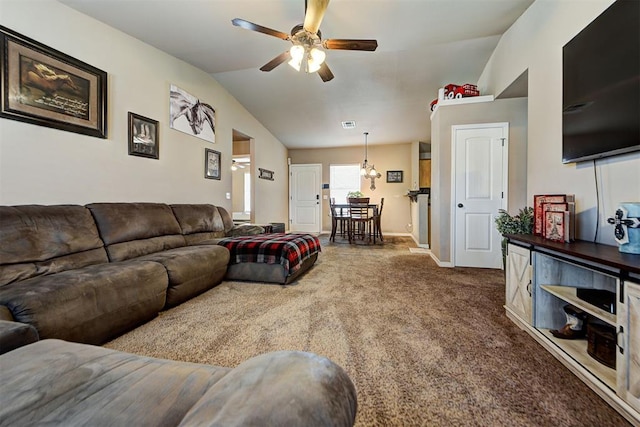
{"x":265,"y":174}
{"x":212,"y":161}
{"x":46,"y":87}
{"x":395,"y":176}
{"x":143,"y":136}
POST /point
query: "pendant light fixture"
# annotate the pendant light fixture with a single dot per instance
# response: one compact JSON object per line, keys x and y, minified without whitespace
{"x":368,"y":171}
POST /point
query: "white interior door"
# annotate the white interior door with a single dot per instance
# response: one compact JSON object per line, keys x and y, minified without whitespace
{"x":304,"y":196}
{"x":479,"y":172}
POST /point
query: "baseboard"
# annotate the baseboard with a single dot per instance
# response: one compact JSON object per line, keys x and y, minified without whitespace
{"x":446,"y":264}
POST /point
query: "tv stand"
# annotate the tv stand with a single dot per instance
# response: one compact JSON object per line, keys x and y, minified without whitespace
{"x":542,"y":277}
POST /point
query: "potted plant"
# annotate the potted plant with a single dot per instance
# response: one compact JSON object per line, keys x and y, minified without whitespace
{"x":522,"y":223}
{"x":356,"y":197}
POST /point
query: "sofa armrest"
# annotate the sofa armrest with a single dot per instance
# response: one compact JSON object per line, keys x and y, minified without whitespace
{"x":16,"y":334}
{"x":284,"y":388}
{"x":245,"y":230}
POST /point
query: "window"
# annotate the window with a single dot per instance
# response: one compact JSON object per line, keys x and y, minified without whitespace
{"x":342,"y":180}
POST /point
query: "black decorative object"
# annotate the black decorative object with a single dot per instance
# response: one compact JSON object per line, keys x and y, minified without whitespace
{"x":265,"y":174}
{"x":626,"y":222}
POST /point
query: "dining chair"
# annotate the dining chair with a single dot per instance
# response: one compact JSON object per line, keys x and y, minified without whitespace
{"x":376,"y":220}
{"x":361,"y":222}
{"x":339,"y":220}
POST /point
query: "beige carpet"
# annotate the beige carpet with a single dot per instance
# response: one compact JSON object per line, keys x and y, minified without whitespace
{"x":424,"y":345}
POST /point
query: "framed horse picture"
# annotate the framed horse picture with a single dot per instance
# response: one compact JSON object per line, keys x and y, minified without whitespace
{"x":211,"y":164}
{"x":191,"y":116}
{"x":45,"y":87}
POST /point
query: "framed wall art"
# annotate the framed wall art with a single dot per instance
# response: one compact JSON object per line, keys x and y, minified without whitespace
{"x":394,"y":176}
{"x":211,"y":164}
{"x":265,"y":174}
{"x":190,"y":115}
{"x":45,"y":87}
{"x":143,"y":137}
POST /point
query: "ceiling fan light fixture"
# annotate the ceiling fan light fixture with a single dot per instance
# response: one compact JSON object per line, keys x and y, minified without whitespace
{"x":316,"y":58}
{"x":297,"y":54}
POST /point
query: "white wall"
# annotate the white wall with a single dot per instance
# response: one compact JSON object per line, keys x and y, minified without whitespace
{"x":513,"y":111}
{"x":48,"y":166}
{"x":534,"y":43}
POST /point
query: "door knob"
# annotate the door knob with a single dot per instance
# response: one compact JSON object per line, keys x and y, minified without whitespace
{"x":460,"y":205}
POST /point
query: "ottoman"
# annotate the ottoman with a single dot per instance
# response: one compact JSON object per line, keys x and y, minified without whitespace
{"x":272,"y":258}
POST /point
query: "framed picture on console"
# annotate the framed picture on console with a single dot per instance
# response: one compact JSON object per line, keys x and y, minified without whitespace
{"x":211,"y":164}
{"x":45,"y":87}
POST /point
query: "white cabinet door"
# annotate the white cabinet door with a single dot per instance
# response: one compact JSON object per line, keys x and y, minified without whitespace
{"x":518,"y":282}
{"x":628,"y":361}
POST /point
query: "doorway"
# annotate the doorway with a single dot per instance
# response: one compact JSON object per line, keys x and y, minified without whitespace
{"x":479,"y":191}
{"x":242,"y":177}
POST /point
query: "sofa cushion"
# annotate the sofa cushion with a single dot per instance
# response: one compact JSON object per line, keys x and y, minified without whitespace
{"x":38,"y":240}
{"x":54,"y":382}
{"x":199,"y":222}
{"x":130,"y":230}
{"x":89,"y":305}
{"x":284,"y":388}
{"x":15,"y":334}
{"x":191,"y":270}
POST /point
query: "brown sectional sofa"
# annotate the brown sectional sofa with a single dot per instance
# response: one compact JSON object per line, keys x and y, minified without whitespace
{"x":90,"y":273}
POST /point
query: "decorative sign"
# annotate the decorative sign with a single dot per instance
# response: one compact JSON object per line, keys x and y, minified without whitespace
{"x":265,"y":174}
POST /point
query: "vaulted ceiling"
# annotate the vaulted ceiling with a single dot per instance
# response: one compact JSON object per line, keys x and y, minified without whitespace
{"x":422,"y":45}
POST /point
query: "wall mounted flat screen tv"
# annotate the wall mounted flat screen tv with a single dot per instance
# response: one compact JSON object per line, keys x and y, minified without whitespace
{"x":601,"y":86}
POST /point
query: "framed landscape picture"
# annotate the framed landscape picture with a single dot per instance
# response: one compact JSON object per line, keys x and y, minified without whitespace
{"x":211,"y":164}
{"x":45,"y":87}
{"x":143,"y":137}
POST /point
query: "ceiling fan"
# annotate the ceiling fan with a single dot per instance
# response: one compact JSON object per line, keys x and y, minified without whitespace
{"x":306,"y":52}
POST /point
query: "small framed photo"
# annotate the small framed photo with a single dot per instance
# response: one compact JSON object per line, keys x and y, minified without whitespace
{"x":143,"y":137}
{"x":394,"y":176}
{"x":265,"y":174}
{"x":211,"y":164}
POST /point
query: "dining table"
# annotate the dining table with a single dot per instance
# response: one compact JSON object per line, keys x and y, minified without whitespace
{"x":343,"y":211}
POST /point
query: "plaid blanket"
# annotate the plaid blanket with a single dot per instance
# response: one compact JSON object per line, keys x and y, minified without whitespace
{"x":289,"y":250}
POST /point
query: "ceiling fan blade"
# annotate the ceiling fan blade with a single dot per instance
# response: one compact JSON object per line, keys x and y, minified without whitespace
{"x":283,"y":57}
{"x":349,"y":44}
{"x":325,"y":73}
{"x":259,"y":28}
{"x":315,"y":13}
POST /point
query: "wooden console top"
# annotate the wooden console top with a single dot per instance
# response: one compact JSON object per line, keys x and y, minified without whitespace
{"x":594,"y":252}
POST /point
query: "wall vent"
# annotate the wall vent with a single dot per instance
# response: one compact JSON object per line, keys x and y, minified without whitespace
{"x":350,"y":124}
